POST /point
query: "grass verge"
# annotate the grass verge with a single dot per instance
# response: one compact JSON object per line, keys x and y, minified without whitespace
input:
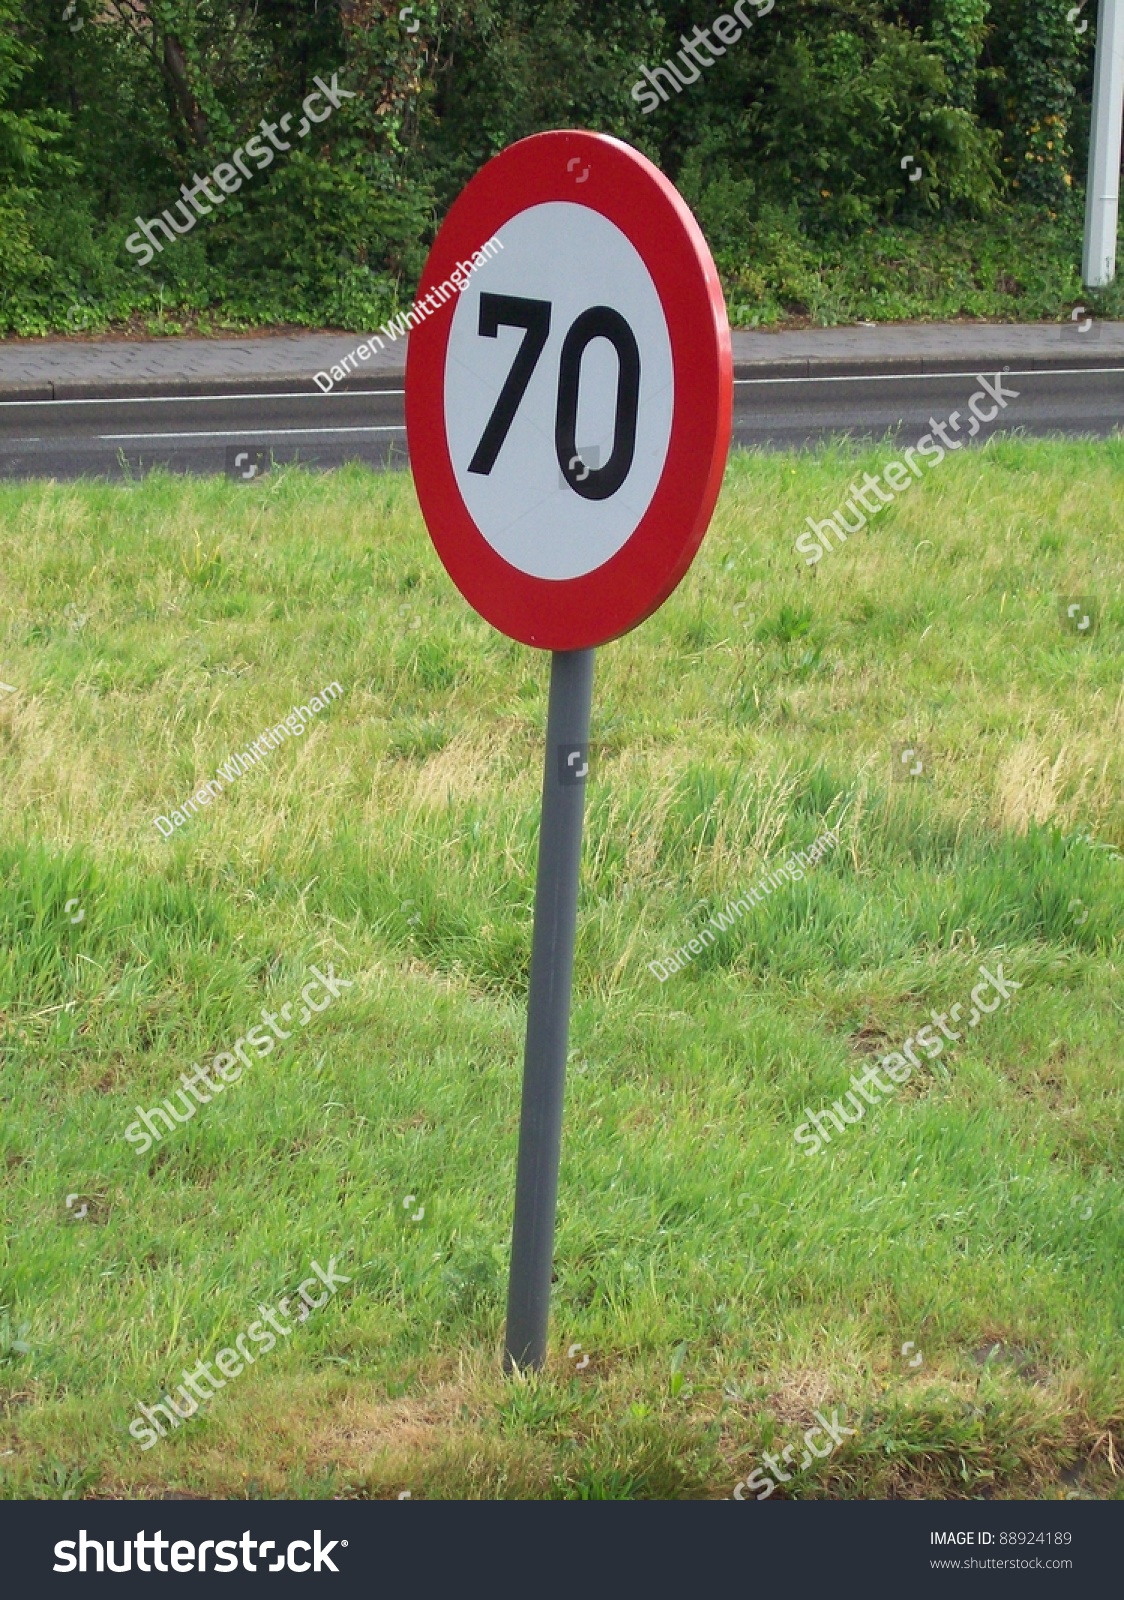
{"x":724,"y":1283}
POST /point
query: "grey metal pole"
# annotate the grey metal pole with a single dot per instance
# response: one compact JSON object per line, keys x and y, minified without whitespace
{"x":1102,"y":200}
{"x":548,"y":1006}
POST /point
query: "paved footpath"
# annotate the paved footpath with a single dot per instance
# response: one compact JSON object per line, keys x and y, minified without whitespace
{"x":69,"y":369}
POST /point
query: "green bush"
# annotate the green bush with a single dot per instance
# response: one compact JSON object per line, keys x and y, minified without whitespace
{"x":790,"y":147}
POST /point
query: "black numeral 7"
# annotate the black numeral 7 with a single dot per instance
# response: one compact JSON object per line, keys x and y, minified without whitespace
{"x":510,"y":311}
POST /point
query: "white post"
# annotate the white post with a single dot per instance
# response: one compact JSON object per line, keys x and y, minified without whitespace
{"x":1102,"y":203}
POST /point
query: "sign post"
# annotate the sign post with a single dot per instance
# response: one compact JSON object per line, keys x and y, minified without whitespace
{"x":568,"y":412}
{"x":548,"y":1005}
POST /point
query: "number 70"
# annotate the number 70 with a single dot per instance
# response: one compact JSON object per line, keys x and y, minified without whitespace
{"x":599,"y":322}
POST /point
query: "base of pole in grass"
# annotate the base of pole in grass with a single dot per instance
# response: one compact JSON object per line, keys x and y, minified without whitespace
{"x":548,"y":1008}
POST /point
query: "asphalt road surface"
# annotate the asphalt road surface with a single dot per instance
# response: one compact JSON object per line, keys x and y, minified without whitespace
{"x":242,"y":434}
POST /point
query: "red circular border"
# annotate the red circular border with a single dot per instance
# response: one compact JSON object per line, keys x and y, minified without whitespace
{"x":622,"y":184}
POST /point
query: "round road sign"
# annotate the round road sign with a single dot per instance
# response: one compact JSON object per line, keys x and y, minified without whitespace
{"x":569,"y":408}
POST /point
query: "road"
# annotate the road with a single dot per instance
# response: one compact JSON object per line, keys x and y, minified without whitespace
{"x":241,"y":433}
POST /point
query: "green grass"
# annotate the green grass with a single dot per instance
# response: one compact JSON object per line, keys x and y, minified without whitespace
{"x":724,"y":1284}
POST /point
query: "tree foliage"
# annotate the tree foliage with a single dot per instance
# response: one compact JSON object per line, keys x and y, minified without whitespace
{"x":108,"y":107}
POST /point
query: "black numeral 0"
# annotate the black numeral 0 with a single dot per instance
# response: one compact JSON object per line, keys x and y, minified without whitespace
{"x":599,"y":322}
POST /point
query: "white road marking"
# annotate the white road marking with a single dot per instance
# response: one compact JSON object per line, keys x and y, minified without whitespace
{"x":913,"y":377}
{"x":193,"y":399}
{"x":351,"y":394}
{"x":240,"y":433}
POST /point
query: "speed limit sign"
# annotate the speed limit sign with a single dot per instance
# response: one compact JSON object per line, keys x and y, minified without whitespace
{"x":569,"y":411}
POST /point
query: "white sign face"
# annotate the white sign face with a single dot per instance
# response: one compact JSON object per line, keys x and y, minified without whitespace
{"x":559,"y":392}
